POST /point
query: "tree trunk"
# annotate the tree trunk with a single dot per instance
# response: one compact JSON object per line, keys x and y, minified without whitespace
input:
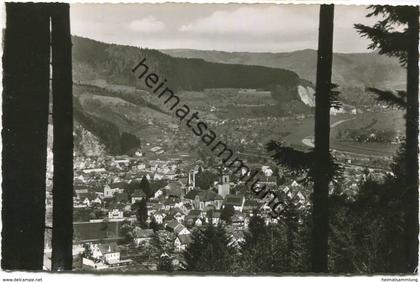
{"x":412,"y":133}
{"x":62,"y":231}
{"x":25,"y":125}
{"x":322,"y":141}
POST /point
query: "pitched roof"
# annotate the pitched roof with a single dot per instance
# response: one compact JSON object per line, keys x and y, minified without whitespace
{"x":251,"y":203}
{"x":172,"y":224}
{"x":213,"y":214}
{"x":194,"y":213}
{"x":142,"y":233}
{"x":172,"y":200}
{"x":108,"y":248}
{"x":185,"y":239}
{"x":183,"y":180}
{"x":179,"y":228}
{"x":81,"y":186}
{"x":174,"y":211}
{"x":188,"y":206}
{"x":209,"y":208}
{"x":89,"y":195}
{"x":81,"y":191}
{"x":204,"y":195}
{"x":120,"y":185}
{"x":235,"y":200}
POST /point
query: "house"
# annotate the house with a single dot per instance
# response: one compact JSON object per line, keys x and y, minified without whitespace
{"x":87,"y":199}
{"x":213,"y":217}
{"x":195,"y":213}
{"x":193,"y":218}
{"x":198,"y":222}
{"x":170,"y":226}
{"x":238,"y":220}
{"x":109,"y":192}
{"x":250,"y":206}
{"x":181,"y":230}
{"x":154,"y":207}
{"x":142,"y":236}
{"x":237,"y":201}
{"x":104,"y":256}
{"x":158,"y":217}
{"x":186,"y":207}
{"x":177,"y":228}
{"x":158,"y":193}
{"x":177,"y":214}
{"x":119,"y":186}
{"x":202,"y":198}
{"x":81,"y":189}
{"x":97,"y":201}
{"x":108,"y":253}
{"x":138,"y":195}
{"x":171,"y":203}
{"x":267,"y":170}
{"x":115,"y":214}
{"x":269,"y":180}
{"x":182,"y":241}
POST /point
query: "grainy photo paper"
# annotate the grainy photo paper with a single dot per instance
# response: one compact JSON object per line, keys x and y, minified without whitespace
{"x":186,"y":140}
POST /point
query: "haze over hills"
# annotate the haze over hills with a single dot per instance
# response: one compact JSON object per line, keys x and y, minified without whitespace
{"x":349,"y":69}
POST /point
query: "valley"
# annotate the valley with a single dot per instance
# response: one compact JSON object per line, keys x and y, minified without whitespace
{"x":110,"y":102}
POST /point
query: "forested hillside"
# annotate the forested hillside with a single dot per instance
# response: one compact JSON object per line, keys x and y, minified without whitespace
{"x":94,"y":60}
{"x":117,"y":112}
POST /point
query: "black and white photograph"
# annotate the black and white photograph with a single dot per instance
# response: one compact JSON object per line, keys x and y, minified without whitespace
{"x":210,"y":139}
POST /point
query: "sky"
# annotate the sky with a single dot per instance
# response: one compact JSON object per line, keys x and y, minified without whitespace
{"x":224,"y":27}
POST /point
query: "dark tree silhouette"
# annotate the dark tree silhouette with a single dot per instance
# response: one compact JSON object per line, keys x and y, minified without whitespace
{"x":145,"y":186}
{"x":165,"y":263}
{"x":25,"y":121}
{"x":318,"y":165}
{"x":62,"y":232}
{"x":141,"y":212}
{"x":205,"y":179}
{"x":322,"y":140}
{"x":227,"y":212}
{"x":209,"y":251}
{"x":403,"y":45}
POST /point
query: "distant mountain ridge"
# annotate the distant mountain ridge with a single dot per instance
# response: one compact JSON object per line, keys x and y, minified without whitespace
{"x":118,"y":113}
{"x":349,"y":69}
{"x":112,"y":112}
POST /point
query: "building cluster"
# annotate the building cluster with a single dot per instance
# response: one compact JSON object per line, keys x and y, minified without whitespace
{"x":175,"y":206}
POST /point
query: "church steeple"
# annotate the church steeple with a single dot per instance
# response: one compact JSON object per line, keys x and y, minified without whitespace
{"x":223,"y":187}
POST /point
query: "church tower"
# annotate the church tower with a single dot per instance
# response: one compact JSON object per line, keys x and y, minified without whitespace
{"x":191,"y":179}
{"x":223,"y":188}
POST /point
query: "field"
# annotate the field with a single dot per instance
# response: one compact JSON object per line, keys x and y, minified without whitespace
{"x":301,"y":129}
